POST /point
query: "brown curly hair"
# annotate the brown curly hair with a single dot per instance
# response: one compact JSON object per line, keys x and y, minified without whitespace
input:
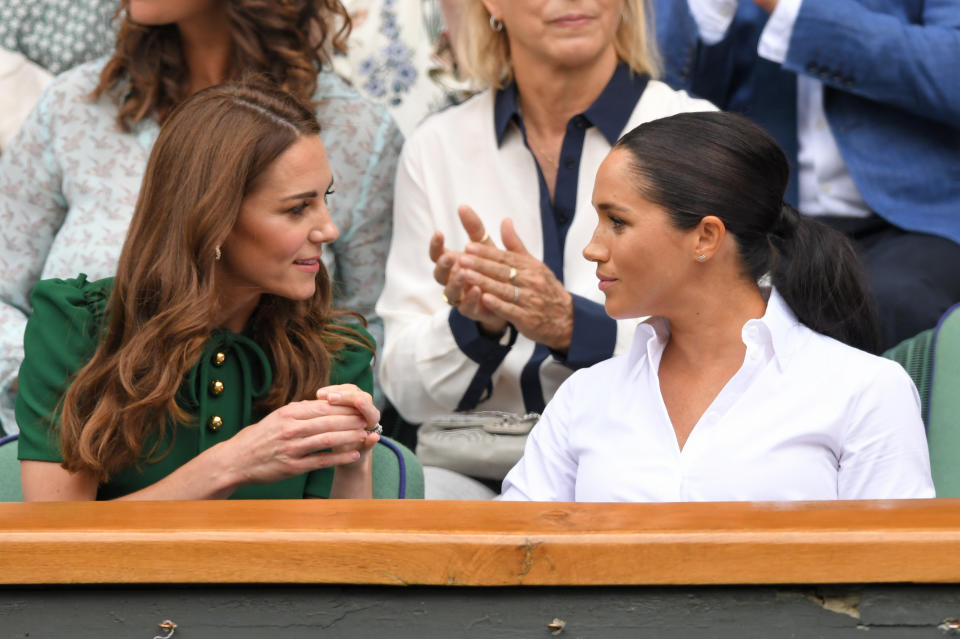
{"x":162,"y":309}
{"x":286,"y":41}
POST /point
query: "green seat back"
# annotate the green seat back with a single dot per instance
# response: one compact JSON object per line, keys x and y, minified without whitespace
{"x":943,"y":424}
{"x":932,"y":358}
{"x":10,"y":473}
{"x":387,"y":472}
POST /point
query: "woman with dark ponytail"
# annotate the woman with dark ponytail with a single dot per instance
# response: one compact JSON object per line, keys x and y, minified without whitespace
{"x":750,"y":380}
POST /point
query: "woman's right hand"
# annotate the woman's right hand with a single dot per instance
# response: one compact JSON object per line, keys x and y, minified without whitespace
{"x":446,"y":269}
{"x":287,"y":442}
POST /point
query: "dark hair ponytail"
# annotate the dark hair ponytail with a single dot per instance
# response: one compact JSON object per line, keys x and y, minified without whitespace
{"x":819,"y":274}
{"x":714,"y":163}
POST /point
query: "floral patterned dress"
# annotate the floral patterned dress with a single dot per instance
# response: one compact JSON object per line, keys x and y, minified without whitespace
{"x":399,"y":56}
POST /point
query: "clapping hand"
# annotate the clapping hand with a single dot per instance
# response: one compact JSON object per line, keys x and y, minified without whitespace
{"x":518,"y":288}
{"x":447,"y":268}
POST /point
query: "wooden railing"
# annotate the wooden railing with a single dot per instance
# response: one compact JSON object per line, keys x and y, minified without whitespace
{"x":480,"y":543}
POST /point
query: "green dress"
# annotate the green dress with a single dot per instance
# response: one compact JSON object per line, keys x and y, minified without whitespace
{"x":61,"y":337}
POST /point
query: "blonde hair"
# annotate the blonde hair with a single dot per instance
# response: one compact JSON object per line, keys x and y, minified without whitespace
{"x":484,"y":54}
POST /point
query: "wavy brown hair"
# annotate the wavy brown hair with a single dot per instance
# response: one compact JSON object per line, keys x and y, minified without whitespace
{"x":285,"y":41}
{"x":208,"y":155}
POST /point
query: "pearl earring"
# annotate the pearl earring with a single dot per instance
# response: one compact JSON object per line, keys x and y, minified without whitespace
{"x":217,"y":254}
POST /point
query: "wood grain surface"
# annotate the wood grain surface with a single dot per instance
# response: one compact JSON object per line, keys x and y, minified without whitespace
{"x":479,"y":543}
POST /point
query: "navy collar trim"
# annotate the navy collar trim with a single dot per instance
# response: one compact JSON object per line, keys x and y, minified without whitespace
{"x":609,"y":113}
{"x":505,"y":109}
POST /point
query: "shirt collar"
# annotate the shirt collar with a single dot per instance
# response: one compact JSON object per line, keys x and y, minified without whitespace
{"x":774,"y":329}
{"x":505,"y":108}
{"x":610,"y":112}
{"x":649,"y":340}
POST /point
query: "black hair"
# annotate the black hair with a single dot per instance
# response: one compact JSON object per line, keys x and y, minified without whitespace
{"x":714,"y":163}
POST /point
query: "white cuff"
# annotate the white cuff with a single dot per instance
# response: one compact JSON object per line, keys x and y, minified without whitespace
{"x":713,"y":18}
{"x":775,"y":39}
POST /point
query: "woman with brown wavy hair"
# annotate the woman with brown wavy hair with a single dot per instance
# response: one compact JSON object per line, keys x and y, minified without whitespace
{"x":70,"y":180}
{"x":195,"y":372}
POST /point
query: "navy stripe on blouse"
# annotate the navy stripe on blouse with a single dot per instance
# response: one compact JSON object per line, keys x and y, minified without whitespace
{"x":594,"y":332}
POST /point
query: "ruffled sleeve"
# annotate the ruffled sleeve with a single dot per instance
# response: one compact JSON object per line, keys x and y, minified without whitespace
{"x":60,"y":338}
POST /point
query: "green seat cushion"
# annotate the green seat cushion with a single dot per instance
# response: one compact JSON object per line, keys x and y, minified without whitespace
{"x":386,"y":472}
{"x":10,"y":473}
{"x":915,"y":354}
{"x":943,"y":425}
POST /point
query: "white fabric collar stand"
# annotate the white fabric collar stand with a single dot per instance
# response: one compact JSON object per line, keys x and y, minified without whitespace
{"x":771,"y":335}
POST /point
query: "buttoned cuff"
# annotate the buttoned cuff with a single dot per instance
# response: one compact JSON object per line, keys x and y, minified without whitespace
{"x":713,"y":18}
{"x":479,"y":347}
{"x":594,"y":335}
{"x":775,"y":39}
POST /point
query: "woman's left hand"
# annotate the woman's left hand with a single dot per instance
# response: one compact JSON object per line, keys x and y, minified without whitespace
{"x":350,"y":396}
{"x":533,"y":299}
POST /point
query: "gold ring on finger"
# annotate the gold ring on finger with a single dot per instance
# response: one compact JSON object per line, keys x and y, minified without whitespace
{"x":516,"y":293}
{"x":449,"y":301}
{"x":513,"y":274}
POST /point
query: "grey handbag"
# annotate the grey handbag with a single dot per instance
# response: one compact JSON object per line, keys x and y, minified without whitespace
{"x":482,"y":444}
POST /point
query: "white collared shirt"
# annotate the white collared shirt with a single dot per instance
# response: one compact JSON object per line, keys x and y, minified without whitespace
{"x":825,"y":185}
{"x":805,"y":418}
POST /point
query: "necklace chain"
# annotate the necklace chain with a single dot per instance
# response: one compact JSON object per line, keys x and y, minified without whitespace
{"x":538,"y":153}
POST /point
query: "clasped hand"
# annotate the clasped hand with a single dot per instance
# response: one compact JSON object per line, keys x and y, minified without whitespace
{"x":495,"y":286}
{"x":287,"y":442}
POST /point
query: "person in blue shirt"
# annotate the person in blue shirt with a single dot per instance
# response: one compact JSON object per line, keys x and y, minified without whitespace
{"x":864,"y":97}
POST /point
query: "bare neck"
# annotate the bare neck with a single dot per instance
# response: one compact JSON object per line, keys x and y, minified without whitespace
{"x":708,"y":330}
{"x":551,"y":95}
{"x":234,"y":307}
{"x":207,"y":48}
